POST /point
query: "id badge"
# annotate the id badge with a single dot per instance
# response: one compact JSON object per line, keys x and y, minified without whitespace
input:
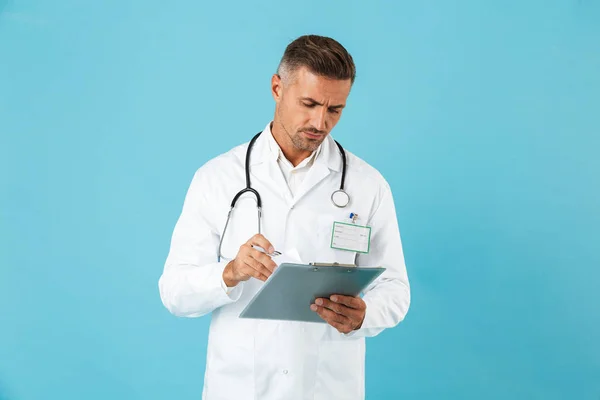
{"x":351,"y":237}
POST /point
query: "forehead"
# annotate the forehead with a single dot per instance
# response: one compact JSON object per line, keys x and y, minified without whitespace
{"x":307,"y":84}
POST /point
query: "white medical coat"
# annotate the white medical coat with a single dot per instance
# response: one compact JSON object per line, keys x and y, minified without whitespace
{"x":282,"y":360}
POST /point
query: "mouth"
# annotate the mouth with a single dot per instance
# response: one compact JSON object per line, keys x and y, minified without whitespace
{"x":311,"y":135}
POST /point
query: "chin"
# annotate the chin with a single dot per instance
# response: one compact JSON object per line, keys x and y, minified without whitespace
{"x":312,"y":144}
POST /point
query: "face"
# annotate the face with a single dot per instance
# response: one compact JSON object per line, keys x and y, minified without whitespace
{"x":308,"y":107}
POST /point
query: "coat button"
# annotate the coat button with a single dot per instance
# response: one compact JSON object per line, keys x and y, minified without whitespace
{"x":285,"y":371}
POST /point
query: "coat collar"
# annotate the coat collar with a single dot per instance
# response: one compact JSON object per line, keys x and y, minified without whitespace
{"x":327,"y":154}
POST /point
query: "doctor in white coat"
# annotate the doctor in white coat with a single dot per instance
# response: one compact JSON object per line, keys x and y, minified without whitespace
{"x":295,"y":166}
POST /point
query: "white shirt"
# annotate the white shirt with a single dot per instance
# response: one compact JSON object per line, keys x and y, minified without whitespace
{"x":293,"y":175}
{"x":259,"y":359}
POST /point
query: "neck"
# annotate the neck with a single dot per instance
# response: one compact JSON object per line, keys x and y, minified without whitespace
{"x":283,"y":139}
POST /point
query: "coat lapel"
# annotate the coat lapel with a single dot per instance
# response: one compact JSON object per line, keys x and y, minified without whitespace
{"x":316,"y":174}
{"x":264,"y":168}
{"x":328,"y":160}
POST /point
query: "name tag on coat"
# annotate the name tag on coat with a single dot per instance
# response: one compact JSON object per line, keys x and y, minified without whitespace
{"x":351,"y":237}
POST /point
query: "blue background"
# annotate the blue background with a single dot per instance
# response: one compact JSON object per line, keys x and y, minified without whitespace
{"x":484,"y":116}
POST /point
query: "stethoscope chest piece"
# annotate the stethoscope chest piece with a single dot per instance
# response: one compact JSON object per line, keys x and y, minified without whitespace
{"x":340,"y":198}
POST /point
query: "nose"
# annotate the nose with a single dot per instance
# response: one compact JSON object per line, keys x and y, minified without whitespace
{"x":319,"y":120}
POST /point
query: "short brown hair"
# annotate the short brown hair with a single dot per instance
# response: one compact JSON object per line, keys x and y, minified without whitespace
{"x":321,"y":55}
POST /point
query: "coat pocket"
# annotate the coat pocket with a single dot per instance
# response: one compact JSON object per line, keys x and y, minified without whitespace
{"x":325,"y":252}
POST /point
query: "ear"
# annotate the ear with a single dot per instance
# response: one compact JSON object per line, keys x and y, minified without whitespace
{"x":276,"y":87}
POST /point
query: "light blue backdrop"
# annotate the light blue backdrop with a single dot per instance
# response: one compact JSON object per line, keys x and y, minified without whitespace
{"x":483,"y":116}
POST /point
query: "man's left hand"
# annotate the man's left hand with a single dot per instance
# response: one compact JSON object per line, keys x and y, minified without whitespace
{"x":344,"y":313}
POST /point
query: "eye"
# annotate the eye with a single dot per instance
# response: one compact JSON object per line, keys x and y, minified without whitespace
{"x":309,"y":105}
{"x":334,"y":111}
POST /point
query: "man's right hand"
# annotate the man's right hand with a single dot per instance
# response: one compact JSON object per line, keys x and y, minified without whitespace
{"x":250,"y":262}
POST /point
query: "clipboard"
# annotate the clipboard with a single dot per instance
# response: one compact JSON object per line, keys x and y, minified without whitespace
{"x":292,"y":288}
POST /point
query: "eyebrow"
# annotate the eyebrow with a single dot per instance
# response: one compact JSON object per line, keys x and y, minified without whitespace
{"x":320,"y":104}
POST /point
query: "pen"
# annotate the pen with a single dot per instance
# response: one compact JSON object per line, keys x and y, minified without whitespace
{"x":273,"y":254}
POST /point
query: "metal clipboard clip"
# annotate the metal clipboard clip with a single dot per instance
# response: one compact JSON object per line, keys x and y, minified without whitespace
{"x":333,"y":264}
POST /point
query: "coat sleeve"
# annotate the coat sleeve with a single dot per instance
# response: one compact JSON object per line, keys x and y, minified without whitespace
{"x":191,"y":284}
{"x":388,"y":297}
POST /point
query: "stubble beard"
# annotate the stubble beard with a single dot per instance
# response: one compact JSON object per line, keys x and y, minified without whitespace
{"x":299,"y":141}
{"x":305,"y":144}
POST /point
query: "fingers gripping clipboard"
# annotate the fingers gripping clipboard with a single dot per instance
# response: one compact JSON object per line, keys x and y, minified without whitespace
{"x":289,"y":292}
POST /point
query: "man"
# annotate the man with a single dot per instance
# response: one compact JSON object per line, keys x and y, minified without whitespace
{"x":295,"y":166}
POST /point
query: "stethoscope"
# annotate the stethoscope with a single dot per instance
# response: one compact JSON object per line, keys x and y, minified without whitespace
{"x":339,"y":197}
